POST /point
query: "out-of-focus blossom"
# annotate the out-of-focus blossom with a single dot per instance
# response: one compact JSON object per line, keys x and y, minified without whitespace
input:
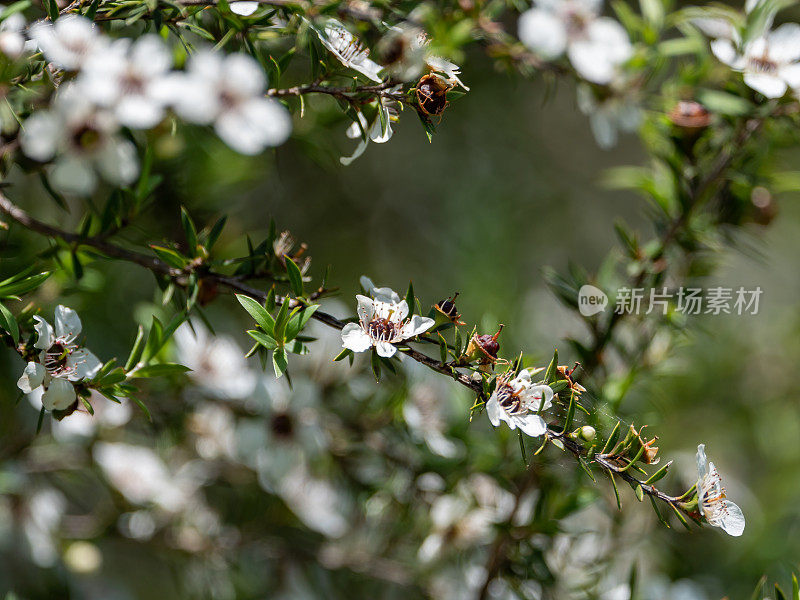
{"x":315,"y":501}
{"x":609,"y":116}
{"x":214,"y":428}
{"x":517,"y":402}
{"x":228,"y":91}
{"x":382,"y":323}
{"x":128,"y":78}
{"x":770,"y":63}
{"x":711,"y":501}
{"x":348,"y":49}
{"x":107,"y":415}
{"x":68,"y":42}
{"x":82,"y":140}
{"x":44,"y":510}
{"x":244,"y":8}
{"x":12,"y":38}
{"x":217,"y":363}
{"x":596,"y":46}
{"x":424,"y":414}
{"x":143,"y":478}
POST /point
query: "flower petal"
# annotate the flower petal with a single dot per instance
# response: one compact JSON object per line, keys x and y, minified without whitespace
{"x":32,"y":377}
{"x":784,"y":43}
{"x":768,"y":85}
{"x":702,"y":462}
{"x":385,"y":294}
{"x":45,"y":333}
{"x":354,"y":338}
{"x":416,"y":326}
{"x":385,"y":349}
{"x":244,"y":8}
{"x":366,"y":308}
{"x":68,"y":323}
{"x":542,"y":32}
{"x":732,"y":522}
{"x":83,"y":364}
{"x":725,"y":52}
{"x":494,"y":410}
{"x":531,"y":424}
{"x":59,"y":395}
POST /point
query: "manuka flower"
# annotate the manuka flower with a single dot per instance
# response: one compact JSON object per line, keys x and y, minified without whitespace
{"x":382,"y":323}
{"x":517,"y":402}
{"x":595,"y":45}
{"x":770,"y":62}
{"x":348,"y":49}
{"x":711,"y":500}
{"x":61,"y":360}
{"x":82,"y":140}
{"x":68,"y":42}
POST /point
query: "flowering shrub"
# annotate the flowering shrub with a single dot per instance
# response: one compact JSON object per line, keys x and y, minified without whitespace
{"x":389,"y":484}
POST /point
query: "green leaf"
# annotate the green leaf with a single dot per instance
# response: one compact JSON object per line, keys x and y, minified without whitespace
{"x":170,"y":256}
{"x":299,"y":320}
{"x":259,"y":313}
{"x":144,"y":408}
{"x":795,"y":588}
{"x":136,"y":349}
{"x":190,"y":230}
{"x":658,"y":474}
{"x":51,"y":6}
{"x":343,"y":354}
{"x":779,"y":595}
{"x":215,"y":232}
{"x":552,"y":369}
{"x":723,"y":103}
{"x":758,"y":593}
{"x":159,"y":370}
{"x":17,"y":288}
{"x":410,"y":298}
{"x":376,"y":365}
{"x":262,"y":338}
{"x":295,"y":277}
{"x":279,"y":331}
{"x":9,"y":323}
{"x":279,"y":362}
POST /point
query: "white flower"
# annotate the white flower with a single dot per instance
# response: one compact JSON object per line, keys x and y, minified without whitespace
{"x":244,"y":8}
{"x":379,"y":131}
{"x":12,"y":40}
{"x":609,"y":116}
{"x":217,"y":363}
{"x":382,"y":322}
{"x":128,"y":78}
{"x":449,"y":71}
{"x":595,"y":45}
{"x":82,"y":139}
{"x":68,"y":42}
{"x":408,"y":49}
{"x":711,"y":501}
{"x":348,"y":49}
{"x":229,"y":92}
{"x":61,"y":360}
{"x":516,"y":401}
{"x":769,"y":62}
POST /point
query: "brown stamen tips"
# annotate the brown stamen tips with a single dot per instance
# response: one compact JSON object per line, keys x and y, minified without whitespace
{"x":432,"y":94}
{"x":447,"y":308}
{"x":690,"y":116}
{"x":566,"y":373}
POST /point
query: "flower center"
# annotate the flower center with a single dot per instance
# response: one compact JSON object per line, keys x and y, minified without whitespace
{"x":763,"y":64}
{"x":282,"y":425}
{"x":510,"y":400}
{"x":86,"y":138}
{"x":382,"y":330}
{"x":55,"y":359}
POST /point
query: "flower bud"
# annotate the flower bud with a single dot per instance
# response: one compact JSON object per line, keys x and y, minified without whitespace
{"x":447,"y":311}
{"x":484,"y":348}
{"x":587,"y":433}
{"x":690,"y":116}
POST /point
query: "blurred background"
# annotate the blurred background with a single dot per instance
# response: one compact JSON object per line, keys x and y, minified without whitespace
{"x":340,"y":487}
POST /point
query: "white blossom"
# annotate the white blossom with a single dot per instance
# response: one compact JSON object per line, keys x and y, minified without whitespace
{"x":379,"y":131}
{"x":228,"y":91}
{"x":596,"y":46}
{"x":81,"y":140}
{"x":68,"y":42}
{"x":217,"y":362}
{"x":517,"y":402}
{"x":348,"y":49}
{"x":711,"y":501}
{"x":244,"y":8}
{"x":770,"y":63}
{"x":610,"y":116}
{"x":383,"y":322}
{"x":129,"y":79}
{"x":12,"y":38}
{"x":61,"y":360}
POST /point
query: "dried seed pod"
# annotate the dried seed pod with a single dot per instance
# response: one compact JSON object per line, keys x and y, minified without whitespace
{"x":432,"y":94}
